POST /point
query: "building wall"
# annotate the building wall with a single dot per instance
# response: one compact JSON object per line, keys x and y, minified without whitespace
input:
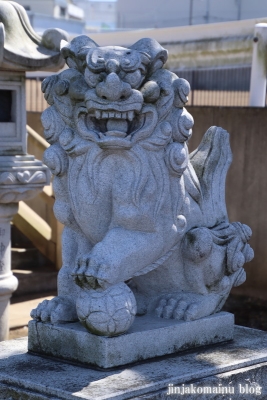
{"x":209,"y":45}
{"x":246,"y":186}
{"x":41,"y":22}
{"x":38,"y":6}
{"x":158,"y":13}
{"x":99,"y":14}
{"x":45,"y":14}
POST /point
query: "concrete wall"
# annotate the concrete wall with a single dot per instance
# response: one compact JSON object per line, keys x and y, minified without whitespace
{"x":246,"y":193}
{"x":247,"y":179}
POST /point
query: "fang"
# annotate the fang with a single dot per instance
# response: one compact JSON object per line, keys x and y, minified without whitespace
{"x":97,"y":114}
{"x":130,"y":115}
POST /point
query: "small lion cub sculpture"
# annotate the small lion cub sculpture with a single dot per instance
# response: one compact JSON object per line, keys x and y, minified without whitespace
{"x":146,"y":226}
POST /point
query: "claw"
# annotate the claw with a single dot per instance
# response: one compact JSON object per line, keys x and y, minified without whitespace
{"x":92,"y":282}
{"x":61,"y":308}
{"x":45,"y":316}
{"x":33,"y":314}
{"x":78,"y":281}
{"x":159,"y":311}
{"x":167,"y":312}
{"x":191,"y":312}
{"x":102,"y":284}
{"x":180,"y":309}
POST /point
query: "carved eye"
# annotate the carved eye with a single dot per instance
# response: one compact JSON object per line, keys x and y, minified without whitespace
{"x":95,"y":60}
{"x":134,"y":78}
{"x":91,"y":78}
{"x":130,"y":61}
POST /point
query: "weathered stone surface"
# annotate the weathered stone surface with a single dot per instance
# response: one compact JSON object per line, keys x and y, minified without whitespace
{"x":21,"y":48}
{"x":241,"y":384}
{"x":143,"y":218}
{"x":243,"y":358}
{"x":21,"y":178}
{"x":148,"y":337}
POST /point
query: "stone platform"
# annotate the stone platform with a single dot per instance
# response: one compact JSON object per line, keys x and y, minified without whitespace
{"x":241,"y":362}
{"x":148,"y":337}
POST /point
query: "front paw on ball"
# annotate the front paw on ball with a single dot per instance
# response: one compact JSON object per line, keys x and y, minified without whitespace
{"x":90,"y":274}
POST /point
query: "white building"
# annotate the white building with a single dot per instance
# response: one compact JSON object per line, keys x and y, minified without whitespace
{"x":142,"y":14}
{"x":99,"y":14}
{"x":63,"y":14}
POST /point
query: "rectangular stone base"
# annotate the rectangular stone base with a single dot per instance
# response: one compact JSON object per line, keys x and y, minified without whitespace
{"x":148,"y":337}
{"x":239,"y":366}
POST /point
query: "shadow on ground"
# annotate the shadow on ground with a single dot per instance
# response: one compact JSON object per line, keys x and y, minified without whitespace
{"x":248,"y":311}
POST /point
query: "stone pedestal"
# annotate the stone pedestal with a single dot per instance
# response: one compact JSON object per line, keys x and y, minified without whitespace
{"x":148,"y":337}
{"x":240,"y":364}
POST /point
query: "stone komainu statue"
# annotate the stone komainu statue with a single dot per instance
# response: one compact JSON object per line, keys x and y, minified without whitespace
{"x":146,"y":226}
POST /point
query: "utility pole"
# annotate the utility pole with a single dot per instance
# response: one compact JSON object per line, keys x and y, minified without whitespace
{"x":207,"y":16}
{"x":239,"y":2}
{"x":259,"y":66}
{"x":191,"y":12}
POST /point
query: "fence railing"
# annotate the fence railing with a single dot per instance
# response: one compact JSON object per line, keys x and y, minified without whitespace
{"x":224,"y":86}
{"x":34,"y":97}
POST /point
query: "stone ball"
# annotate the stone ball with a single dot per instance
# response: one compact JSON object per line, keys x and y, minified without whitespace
{"x":107,"y":312}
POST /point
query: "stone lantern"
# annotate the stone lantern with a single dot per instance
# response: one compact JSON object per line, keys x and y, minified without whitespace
{"x":21,"y":175}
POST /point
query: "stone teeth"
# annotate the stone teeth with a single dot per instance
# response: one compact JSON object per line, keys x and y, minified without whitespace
{"x":97,"y":114}
{"x":130,"y":115}
{"x":114,"y":115}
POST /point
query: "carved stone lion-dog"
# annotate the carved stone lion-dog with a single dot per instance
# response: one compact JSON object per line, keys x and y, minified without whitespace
{"x":146,"y":226}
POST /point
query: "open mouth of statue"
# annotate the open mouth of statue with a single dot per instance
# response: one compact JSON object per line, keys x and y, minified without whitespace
{"x":115,"y":125}
{"x":111,"y":123}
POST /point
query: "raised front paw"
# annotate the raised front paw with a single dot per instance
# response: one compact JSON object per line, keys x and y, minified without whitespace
{"x":93,"y":271}
{"x":59,"y":309}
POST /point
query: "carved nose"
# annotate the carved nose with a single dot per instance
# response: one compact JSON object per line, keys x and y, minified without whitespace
{"x":112,"y":66}
{"x":113,"y":88}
